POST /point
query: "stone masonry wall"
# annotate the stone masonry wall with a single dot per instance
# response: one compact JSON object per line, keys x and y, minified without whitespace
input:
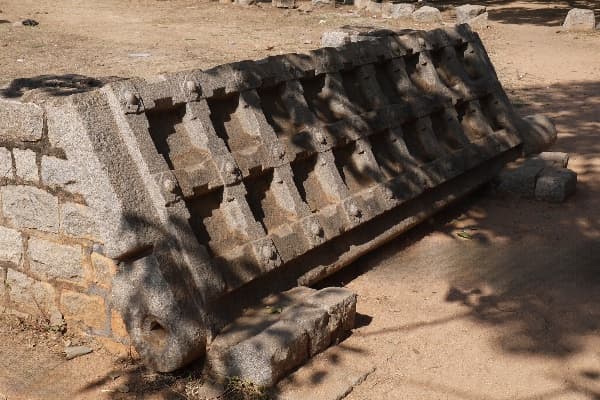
{"x":49,"y":268}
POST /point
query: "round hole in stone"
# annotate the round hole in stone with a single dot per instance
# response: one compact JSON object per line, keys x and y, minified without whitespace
{"x":155,"y":333}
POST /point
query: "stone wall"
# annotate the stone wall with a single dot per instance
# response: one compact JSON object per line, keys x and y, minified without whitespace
{"x":49,"y":267}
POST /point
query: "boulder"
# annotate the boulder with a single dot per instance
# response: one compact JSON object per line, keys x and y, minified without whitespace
{"x":427,"y":15}
{"x":398,"y":10}
{"x":467,"y":12}
{"x":579,"y":19}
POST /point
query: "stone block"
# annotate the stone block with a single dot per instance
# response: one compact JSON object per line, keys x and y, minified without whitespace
{"x":361,"y":4}
{"x":11,"y":246}
{"x":374,"y":7}
{"x":555,"y":184}
{"x":77,"y":220}
{"x":467,"y":12}
{"x":58,"y":172}
{"x":26,"y":166}
{"x":340,"y":304}
{"x":50,"y":260}
{"x":520,"y":180}
{"x":579,"y":19}
{"x":398,"y":10}
{"x":245,"y":2}
{"x":104,"y":270}
{"x":31,"y":296}
{"x":427,"y":15}
{"x":265,"y":358}
{"x":284,"y":3}
{"x":321,"y":2}
{"x":6,"y":167}
{"x":335,"y":38}
{"x":314,"y":319}
{"x":21,"y":121}
{"x":554,"y":159}
{"x":30,"y":207}
{"x":88,"y":309}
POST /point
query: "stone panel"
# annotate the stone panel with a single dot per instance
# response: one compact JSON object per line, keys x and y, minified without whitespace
{"x":50,"y":260}
{"x":30,"y":207}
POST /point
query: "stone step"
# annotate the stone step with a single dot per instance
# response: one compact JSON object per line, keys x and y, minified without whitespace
{"x":268,"y":341}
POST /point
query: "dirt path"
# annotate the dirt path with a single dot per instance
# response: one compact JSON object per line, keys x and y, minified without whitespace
{"x":511,"y":314}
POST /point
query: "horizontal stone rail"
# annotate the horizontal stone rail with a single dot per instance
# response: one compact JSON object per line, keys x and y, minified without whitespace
{"x":178,"y":200}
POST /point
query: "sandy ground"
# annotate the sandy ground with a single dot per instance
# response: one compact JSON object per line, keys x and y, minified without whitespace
{"x":513,"y":313}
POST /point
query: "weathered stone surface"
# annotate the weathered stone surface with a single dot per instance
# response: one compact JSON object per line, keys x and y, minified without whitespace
{"x":467,"y":12}
{"x":321,"y":2}
{"x":361,"y":4}
{"x":398,"y":10}
{"x":258,"y":347}
{"x":555,"y":184}
{"x":58,"y":172}
{"x":88,"y":309}
{"x":104,"y":269}
{"x":77,"y":220}
{"x":340,"y":304}
{"x":314,"y":320}
{"x":30,"y":207}
{"x":335,"y":38}
{"x":520,"y":180}
{"x":26,"y":165}
{"x":375,"y":7}
{"x":245,"y":2}
{"x":49,"y":260}
{"x":284,"y":3}
{"x":538,"y":133}
{"x":266,"y":357}
{"x":579,"y":19}
{"x":11,"y":245}
{"x":427,"y":15}
{"x":21,"y":121}
{"x":30,"y":296}
{"x":554,"y":159}
{"x":6,"y":167}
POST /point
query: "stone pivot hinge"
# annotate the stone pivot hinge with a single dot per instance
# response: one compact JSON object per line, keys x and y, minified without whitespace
{"x":212,"y":189}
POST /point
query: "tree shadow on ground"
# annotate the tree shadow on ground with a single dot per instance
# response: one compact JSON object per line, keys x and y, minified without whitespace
{"x":536,"y":12}
{"x":537,"y":280}
{"x":54,"y":85}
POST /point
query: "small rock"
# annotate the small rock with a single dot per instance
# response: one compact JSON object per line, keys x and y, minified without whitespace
{"x":427,"y":14}
{"x":320,"y":2}
{"x":140,"y":55}
{"x":123,"y":389}
{"x":76,"y":351}
{"x":245,"y":2}
{"x":467,"y":12}
{"x":26,"y":22}
{"x":579,"y":19}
